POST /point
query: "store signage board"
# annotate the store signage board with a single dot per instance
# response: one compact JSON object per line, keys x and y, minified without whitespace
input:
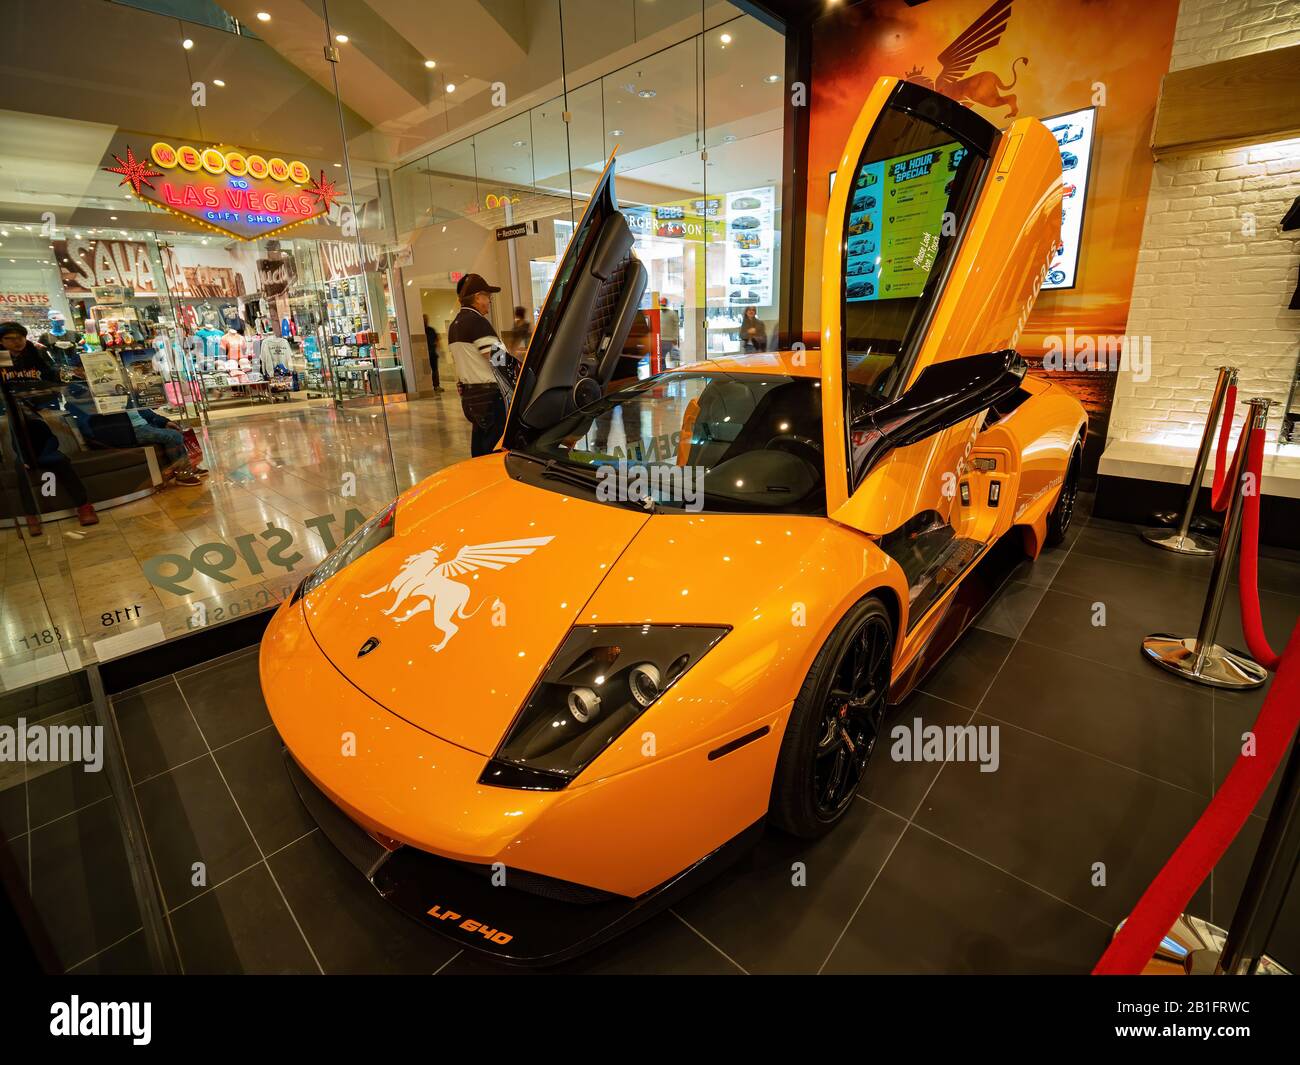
{"x":24,"y":300}
{"x":513,"y":232}
{"x":1074,"y":136}
{"x":89,"y":266}
{"x":242,"y":196}
{"x":692,"y":219}
{"x":347,"y":258}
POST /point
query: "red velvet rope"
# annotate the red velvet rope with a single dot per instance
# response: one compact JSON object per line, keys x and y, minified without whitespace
{"x":1252,"y":623}
{"x":1218,"y":493}
{"x":1133,"y":946}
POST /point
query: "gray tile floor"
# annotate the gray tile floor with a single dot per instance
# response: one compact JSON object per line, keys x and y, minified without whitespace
{"x":938,"y":868}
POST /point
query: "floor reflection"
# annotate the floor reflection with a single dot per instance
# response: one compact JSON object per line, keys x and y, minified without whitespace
{"x":281,"y":487}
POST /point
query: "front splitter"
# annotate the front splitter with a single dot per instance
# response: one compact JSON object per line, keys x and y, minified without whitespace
{"x":477,"y":907}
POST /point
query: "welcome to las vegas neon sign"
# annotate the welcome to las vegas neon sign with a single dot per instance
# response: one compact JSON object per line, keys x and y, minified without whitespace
{"x":238,"y":195}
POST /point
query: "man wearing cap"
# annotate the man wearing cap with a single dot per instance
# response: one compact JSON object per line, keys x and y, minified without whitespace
{"x":473,"y":345}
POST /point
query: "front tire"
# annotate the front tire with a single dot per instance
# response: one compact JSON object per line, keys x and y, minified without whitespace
{"x":834,"y":724}
{"x":1058,"y":522}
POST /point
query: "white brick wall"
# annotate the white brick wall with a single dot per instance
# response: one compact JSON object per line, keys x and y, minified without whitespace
{"x":1206,"y":291}
{"x":1210,"y":30}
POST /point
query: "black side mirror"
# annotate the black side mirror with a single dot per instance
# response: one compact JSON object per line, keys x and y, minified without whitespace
{"x":945,"y":394}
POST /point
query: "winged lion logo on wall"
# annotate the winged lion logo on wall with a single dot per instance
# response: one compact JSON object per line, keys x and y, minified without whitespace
{"x":984,"y":88}
{"x":426,"y":582}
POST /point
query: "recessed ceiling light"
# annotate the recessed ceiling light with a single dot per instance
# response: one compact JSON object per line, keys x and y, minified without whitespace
{"x":451,"y":86}
{"x":520,"y":144}
{"x":339,"y":165}
{"x":263,"y":16}
{"x":616,"y":133}
{"x":510,"y":170}
{"x":112,"y":217}
{"x":218,"y":83}
{"x":771,"y":79}
{"x":729,"y":138}
{"x":342,"y":38}
{"x":430,"y":63}
{"x":187,"y":44}
{"x":645,"y":94}
{"x":725,"y":38}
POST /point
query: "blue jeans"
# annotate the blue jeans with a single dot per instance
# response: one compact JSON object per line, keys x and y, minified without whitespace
{"x":172,"y":441}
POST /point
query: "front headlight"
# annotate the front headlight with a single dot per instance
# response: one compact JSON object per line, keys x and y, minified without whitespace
{"x":363,"y":539}
{"x":601,"y":680}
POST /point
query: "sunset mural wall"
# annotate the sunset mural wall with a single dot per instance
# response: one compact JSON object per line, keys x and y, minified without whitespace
{"x":1038,"y":58}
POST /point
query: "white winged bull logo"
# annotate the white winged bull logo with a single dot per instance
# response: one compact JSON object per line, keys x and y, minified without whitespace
{"x":423,"y":578}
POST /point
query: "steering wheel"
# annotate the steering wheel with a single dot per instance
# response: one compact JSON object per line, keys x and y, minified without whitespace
{"x":803,"y":447}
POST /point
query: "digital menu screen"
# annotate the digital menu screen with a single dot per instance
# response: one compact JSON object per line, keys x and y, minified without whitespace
{"x":895,"y":218}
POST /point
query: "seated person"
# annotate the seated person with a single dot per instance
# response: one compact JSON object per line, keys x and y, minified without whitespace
{"x":150,"y":427}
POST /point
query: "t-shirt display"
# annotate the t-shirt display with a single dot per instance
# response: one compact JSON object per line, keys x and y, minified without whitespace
{"x":232,"y":346}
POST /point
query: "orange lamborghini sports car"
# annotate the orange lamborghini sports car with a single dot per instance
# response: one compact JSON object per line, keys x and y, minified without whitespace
{"x":546,"y":690}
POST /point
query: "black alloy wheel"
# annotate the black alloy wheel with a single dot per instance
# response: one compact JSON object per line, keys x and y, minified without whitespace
{"x":835,"y":723}
{"x":851,"y":716}
{"x":1058,"y":522}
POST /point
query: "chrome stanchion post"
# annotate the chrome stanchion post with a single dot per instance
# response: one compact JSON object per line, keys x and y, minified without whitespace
{"x":1198,"y":657}
{"x":1183,"y":540}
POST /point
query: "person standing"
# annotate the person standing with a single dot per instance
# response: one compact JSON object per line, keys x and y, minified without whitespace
{"x":28,"y":381}
{"x":473,"y":345}
{"x":753,"y":333}
{"x":431,"y":336}
{"x":521,"y":333}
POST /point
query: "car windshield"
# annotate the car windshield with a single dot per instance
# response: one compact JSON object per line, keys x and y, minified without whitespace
{"x":740,"y":442}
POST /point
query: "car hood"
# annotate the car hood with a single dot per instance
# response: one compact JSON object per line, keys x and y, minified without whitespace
{"x":492,"y":571}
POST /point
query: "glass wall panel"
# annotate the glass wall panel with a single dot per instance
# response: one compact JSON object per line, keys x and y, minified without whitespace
{"x":231,"y":277}
{"x":742,"y":64}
